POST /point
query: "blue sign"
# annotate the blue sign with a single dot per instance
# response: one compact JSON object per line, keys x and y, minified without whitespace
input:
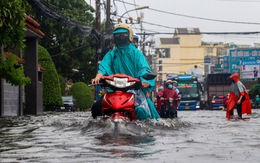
{"x":243,"y":61}
{"x":207,"y":60}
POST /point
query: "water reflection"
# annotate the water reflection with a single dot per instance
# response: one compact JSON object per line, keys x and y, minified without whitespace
{"x":116,"y":139}
{"x":124,"y":145}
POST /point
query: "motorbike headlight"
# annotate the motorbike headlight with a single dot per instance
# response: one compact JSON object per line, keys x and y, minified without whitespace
{"x":120,"y":82}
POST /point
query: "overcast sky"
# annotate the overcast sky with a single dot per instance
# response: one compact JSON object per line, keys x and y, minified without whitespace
{"x":169,"y":14}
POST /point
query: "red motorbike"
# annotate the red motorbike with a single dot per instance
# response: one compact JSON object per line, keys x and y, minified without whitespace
{"x":119,"y":104}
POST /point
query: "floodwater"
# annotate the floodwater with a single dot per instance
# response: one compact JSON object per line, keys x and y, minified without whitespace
{"x":196,"y":136}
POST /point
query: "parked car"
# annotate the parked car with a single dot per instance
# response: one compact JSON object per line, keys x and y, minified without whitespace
{"x":217,"y":103}
{"x":69,"y":104}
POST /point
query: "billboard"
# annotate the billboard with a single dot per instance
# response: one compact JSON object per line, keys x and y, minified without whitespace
{"x":246,"y":62}
{"x":250,"y":69}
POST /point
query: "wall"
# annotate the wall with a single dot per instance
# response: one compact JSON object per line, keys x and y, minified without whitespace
{"x":190,"y":40}
{"x":11,"y":100}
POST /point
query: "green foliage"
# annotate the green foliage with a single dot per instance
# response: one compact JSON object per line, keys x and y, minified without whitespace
{"x":51,"y":86}
{"x":12,"y":71}
{"x":12,"y":32}
{"x":12,"y":23}
{"x":82,"y":93}
{"x":68,"y":48}
{"x":255,"y":90}
{"x":62,"y":85}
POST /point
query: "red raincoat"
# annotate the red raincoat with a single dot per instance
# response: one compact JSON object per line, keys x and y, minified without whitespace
{"x":237,"y":90}
{"x":169,"y":93}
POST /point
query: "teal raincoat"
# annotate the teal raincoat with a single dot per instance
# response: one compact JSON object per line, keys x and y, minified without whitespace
{"x":130,"y":61}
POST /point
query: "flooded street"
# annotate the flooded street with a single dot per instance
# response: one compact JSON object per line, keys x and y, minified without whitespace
{"x":196,"y":136}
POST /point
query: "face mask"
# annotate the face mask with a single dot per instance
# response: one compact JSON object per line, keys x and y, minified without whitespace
{"x":170,"y":86}
{"x":121,"y":40}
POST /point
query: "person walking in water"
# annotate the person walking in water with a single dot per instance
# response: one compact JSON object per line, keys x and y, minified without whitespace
{"x":238,"y":97}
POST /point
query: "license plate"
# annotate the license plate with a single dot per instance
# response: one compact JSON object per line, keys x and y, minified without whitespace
{"x":187,"y":107}
{"x":62,"y":107}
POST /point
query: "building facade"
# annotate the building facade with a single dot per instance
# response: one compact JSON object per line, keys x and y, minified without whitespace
{"x":20,"y":100}
{"x":180,"y":53}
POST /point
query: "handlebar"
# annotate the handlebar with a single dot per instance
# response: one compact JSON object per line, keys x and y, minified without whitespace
{"x":174,"y":99}
{"x":103,"y":82}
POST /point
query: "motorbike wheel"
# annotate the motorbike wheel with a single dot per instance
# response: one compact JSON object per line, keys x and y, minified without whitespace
{"x":96,"y":109}
{"x":162,"y":112}
{"x":173,"y":112}
{"x":170,"y":112}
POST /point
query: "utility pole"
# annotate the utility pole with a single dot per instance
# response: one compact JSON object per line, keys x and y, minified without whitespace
{"x":98,"y":22}
{"x":98,"y":45}
{"x":98,"y":15}
{"x":142,"y":33}
{"x":107,"y":27}
{"x":1,"y":86}
{"x":143,"y":47}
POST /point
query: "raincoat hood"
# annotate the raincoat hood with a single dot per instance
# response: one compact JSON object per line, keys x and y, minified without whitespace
{"x":235,"y":77}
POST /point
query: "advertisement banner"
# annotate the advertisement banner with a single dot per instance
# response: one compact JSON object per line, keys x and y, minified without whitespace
{"x":250,"y":70}
{"x":246,"y":62}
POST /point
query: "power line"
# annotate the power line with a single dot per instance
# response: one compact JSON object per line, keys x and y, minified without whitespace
{"x":201,"y":18}
{"x":240,"y":0}
{"x":127,"y":13}
{"x":224,"y":34}
{"x":208,"y":33}
{"x":55,"y":55}
{"x":194,"y":17}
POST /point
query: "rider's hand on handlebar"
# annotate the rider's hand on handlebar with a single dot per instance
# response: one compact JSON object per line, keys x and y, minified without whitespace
{"x":96,"y":80}
{"x":145,"y":84}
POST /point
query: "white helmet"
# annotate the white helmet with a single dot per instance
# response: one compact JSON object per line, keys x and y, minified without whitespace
{"x":127,"y":27}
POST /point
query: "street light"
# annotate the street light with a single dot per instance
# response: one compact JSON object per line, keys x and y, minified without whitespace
{"x":137,"y":8}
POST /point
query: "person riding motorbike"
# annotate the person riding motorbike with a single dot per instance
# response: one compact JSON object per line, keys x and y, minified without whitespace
{"x":135,"y":40}
{"x":127,"y":59}
{"x":175,"y":84}
{"x":169,"y":92}
{"x":256,"y":101}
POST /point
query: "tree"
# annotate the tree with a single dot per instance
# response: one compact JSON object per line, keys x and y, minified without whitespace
{"x":83,"y":95}
{"x":12,"y":71}
{"x":69,"y":50}
{"x":255,"y":90}
{"x":51,"y":85}
{"x":12,"y":23}
{"x":12,"y":32}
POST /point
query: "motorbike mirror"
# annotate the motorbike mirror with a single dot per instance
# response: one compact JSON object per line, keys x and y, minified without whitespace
{"x":149,"y":76}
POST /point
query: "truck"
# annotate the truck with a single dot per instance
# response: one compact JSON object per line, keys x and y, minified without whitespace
{"x":216,"y":85}
{"x":190,"y":90}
